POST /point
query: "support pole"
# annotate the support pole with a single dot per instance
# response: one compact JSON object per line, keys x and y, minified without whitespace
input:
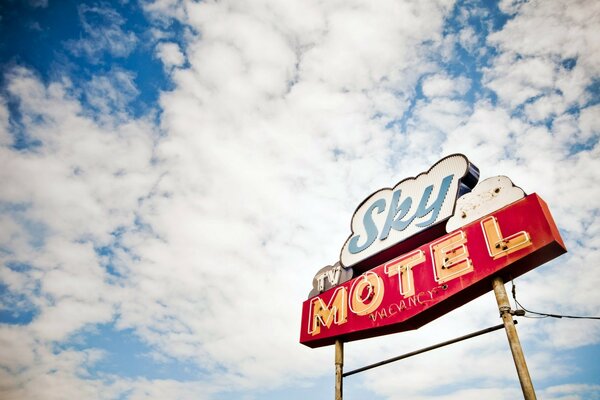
{"x":339,"y":368}
{"x":513,"y":339}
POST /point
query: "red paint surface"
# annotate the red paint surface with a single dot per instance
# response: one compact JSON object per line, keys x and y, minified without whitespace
{"x":529,"y":214}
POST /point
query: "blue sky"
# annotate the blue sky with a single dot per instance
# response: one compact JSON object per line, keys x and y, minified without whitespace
{"x":175,"y":172}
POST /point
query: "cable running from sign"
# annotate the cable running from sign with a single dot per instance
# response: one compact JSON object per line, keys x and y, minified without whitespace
{"x":541,"y":314}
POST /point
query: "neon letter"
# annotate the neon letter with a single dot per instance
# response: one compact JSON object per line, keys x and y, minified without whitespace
{"x":363,"y":304}
{"x":394,"y":220}
{"x":370,"y":228}
{"x":336,"y":311}
{"x":436,"y":207}
{"x":402,"y":266}
{"x":450,"y":257}
{"x":499,"y":246}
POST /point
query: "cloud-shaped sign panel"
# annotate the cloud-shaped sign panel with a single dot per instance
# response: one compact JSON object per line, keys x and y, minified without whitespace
{"x":488,"y":196}
{"x":391,"y":215}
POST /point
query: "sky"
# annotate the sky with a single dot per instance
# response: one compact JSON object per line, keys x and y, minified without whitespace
{"x":173,"y":174}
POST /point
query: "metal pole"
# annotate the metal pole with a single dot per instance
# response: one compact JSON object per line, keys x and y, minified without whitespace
{"x":425,"y":349}
{"x":339,"y":367}
{"x":513,"y":339}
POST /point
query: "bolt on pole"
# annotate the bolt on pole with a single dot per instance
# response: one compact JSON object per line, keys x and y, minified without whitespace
{"x":513,"y":339}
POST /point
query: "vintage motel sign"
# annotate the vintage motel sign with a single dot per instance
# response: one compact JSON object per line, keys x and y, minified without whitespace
{"x":425,"y":283}
{"x":493,"y":230}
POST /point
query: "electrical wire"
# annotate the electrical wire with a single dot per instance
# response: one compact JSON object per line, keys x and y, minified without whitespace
{"x":541,"y":314}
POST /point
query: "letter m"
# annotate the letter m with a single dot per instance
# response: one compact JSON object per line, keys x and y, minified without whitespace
{"x":334,"y":312}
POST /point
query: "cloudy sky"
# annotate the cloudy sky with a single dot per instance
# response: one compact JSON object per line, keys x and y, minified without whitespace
{"x":174,"y":172}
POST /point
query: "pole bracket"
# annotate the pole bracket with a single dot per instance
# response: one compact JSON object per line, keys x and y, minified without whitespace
{"x":504,"y":309}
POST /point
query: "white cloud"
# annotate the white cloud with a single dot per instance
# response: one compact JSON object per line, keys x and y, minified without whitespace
{"x":468,"y":39}
{"x":536,"y":41}
{"x":110,"y":94}
{"x":445,"y":86}
{"x":165,"y":10}
{"x":60,"y":199}
{"x":572,"y":392}
{"x":589,"y":123}
{"x":104,"y":34}
{"x":518,"y":80}
{"x":545,"y":107}
{"x":487,"y":134}
{"x":170,"y":54}
{"x":5,"y":134}
{"x":510,"y":6}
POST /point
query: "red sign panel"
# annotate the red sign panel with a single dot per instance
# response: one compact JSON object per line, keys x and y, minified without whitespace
{"x":426,"y":283}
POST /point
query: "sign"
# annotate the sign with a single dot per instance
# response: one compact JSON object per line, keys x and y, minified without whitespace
{"x":414,"y":206}
{"x":434,"y":278}
{"x":330,"y":276}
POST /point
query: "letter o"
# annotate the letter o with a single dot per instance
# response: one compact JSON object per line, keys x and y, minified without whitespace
{"x":358,"y":303}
